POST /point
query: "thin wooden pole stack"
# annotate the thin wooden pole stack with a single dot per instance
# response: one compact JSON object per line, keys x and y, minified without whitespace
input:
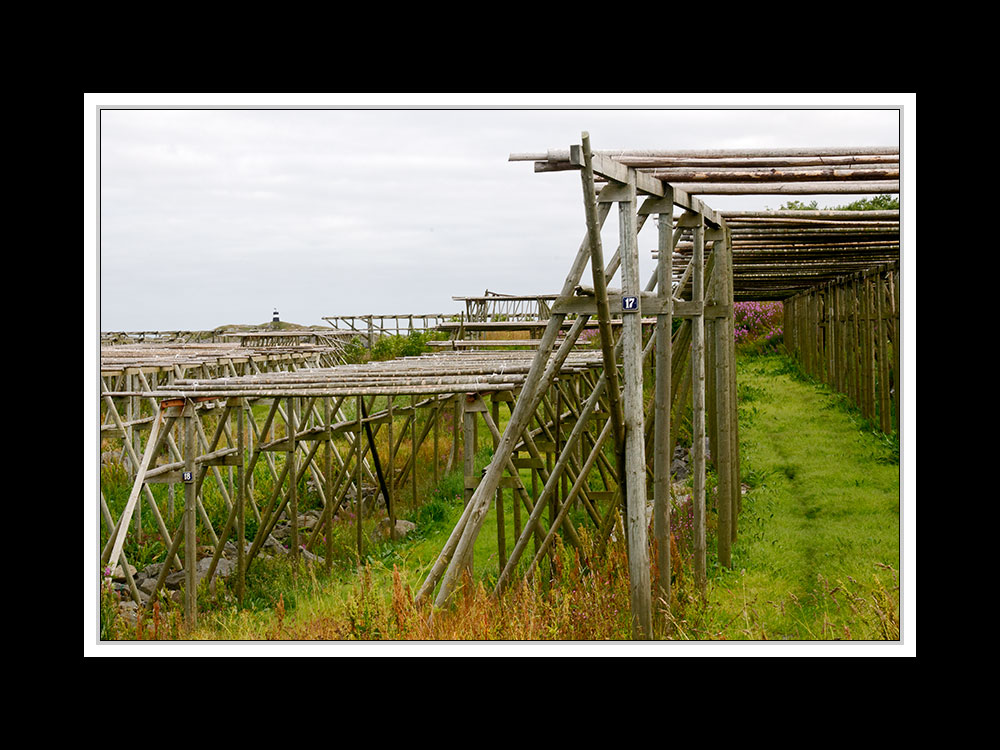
{"x":846,"y":335}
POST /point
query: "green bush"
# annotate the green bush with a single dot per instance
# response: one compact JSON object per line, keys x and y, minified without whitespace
{"x":410,"y":345}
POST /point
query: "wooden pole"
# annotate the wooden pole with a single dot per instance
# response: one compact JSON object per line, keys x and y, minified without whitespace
{"x":734,"y":438}
{"x":190,"y":539}
{"x":501,"y":529}
{"x":885,"y":418}
{"x":413,"y":449}
{"x":723,"y":414}
{"x":328,"y":510}
{"x":359,"y":499}
{"x":291,"y":457}
{"x":469,"y":454}
{"x":897,"y":340}
{"x":603,"y":307}
{"x":241,"y":531}
{"x":437,"y":418}
{"x":698,"y":405}
{"x":635,"y":458}
{"x":661,"y":439}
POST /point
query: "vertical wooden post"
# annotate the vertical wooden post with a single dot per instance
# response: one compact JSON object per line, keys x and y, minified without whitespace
{"x":241,"y":498}
{"x":190,"y":503}
{"x":413,"y":448}
{"x":291,"y":457}
{"x":815,"y":334}
{"x":869,"y":352}
{"x":897,"y":340}
{"x":885,"y":417}
{"x":723,"y":405}
{"x":734,"y":438}
{"x":841,"y":340}
{"x":534,"y":499}
{"x":698,"y":405}
{"x":560,"y":493}
{"x":134,"y":411}
{"x":829,"y":337}
{"x":501,"y":528}
{"x":661,"y":424}
{"x":437,"y":418}
{"x":358,"y":473}
{"x":855,"y":341}
{"x":391,"y":484}
{"x":469,"y":453}
{"x":456,"y":428}
{"x":711,"y":362}
{"x":635,"y":449}
{"x":328,"y":418}
{"x":469,"y":459}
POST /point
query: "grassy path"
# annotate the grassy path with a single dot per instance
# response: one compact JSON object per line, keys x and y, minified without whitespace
{"x":819,"y":539}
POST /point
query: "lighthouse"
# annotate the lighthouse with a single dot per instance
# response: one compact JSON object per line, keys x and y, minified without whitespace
{"x":275,"y":318}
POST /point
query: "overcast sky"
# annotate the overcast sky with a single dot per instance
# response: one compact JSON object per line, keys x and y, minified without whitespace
{"x":217,"y":216}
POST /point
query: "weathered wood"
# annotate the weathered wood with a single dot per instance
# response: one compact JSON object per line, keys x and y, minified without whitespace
{"x":723,"y":410}
{"x":601,"y":299}
{"x":560,"y":517}
{"x":241,"y":561}
{"x":752,"y":175}
{"x":533,"y":388}
{"x":635,"y":456}
{"x":851,"y":187}
{"x":661,"y":441}
{"x":358,"y":498}
{"x":885,"y":416}
{"x":113,"y":552}
{"x":501,"y":528}
{"x":698,"y":416}
{"x":190,"y":536}
{"x":378,"y":470}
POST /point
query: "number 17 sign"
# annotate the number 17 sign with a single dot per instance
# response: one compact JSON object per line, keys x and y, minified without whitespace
{"x":630,"y":304}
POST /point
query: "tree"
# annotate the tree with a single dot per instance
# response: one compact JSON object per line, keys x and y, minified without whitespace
{"x":875,"y":203}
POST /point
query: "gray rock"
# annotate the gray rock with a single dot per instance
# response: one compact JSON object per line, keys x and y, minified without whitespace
{"x":402,"y":529}
{"x":129,"y":610}
{"x":119,"y":573}
{"x":679,"y":469}
{"x":223,"y":569}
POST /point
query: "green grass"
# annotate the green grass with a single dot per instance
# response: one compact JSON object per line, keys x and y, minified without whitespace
{"x":820,"y":523}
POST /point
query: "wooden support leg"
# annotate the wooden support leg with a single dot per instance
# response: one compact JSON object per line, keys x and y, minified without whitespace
{"x":241,"y":553}
{"x":698,"y":403}
{"x":190,"y":538}
{"x":358,"y":503}
{"x":291,"y":457}
{"x":635,"y":453}
{"x":501,"y":530}
{"x":723,"y":415}
{"x":661,"y":440}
